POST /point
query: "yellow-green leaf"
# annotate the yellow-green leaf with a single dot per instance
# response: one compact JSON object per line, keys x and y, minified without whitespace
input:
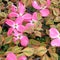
{"x":16,"y":49}
{"x":28,"y":51}
{"x":54,"y":56}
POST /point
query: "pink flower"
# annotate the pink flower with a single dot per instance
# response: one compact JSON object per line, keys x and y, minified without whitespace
{"x":17,"y":24}
{"x":31,"y":22}
{"x":23,"y":39}
{"x":12,"y":56}
{"x":33,"y":18}
{"x":13,"y":8}
{"x":20,"y":12}
{"x":55,"y":35}
{"x":44,"y":11}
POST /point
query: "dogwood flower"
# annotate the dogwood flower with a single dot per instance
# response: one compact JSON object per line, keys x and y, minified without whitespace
{"x":12,"y":56}
{"x":55,"y":35}
{"x":23,"y":39}
{"x":44,"y":11}
{"x":20,"y":12}
{"x":31,"y":22}
{"x":17,"y":24}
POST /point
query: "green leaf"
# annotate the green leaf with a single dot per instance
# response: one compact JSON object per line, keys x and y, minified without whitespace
{"x":8,"y":39}
{"x":16,"y":49}
{"x":34,"y":42}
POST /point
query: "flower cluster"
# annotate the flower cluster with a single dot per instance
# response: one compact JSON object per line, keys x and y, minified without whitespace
{"x":17,"y":28}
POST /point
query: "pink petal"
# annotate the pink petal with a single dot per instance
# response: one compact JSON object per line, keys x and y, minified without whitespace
{"x":9,"y":22}
{"x":28,"y":26}
{"x":21,"y":28}
{"x":55,"y":42}
{"x":10,"y":31}
{"x":24,"y":41}
{"x":13,"y":8}
{"x":21,"y":8}
{"x":19,"y":20}
{"x":48,"y":3}
{"x":27,"y":16}
{"x":11,"y":56}
{"x":34,"y":17}
{"x":22,"y":58}
{"x":15,"y":40}
{"x":16,"y":33}
{"x":13,"y":14}
{"x":35,"y":5}
{"x":44,"y":12}
{"x":53,"y":33}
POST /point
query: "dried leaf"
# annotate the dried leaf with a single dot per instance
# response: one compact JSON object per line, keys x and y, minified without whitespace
{"x":0,"y":29}
{"x":41,"y":51}
{"x":56,"y":11}
{"x":58,"y":26}
{"x":54,"y":56}
{"x":37,"y":33}
{"x":49,"y":22}
{"x":45,"y":57}
{"x":57,"y":19}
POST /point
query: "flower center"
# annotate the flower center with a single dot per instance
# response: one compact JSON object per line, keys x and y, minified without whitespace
{"x":59,"y":36}
{"x":15,"y":26}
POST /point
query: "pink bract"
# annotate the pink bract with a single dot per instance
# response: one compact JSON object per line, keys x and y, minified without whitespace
{"x":13,"y":8}
{"x":11,"y":56}
{"x":24,"y":41}
{"x":17,"y":24}
{"x":55,"y":42}
{"x":54,"y":33}
{"x":43,"y":10}
{"x":20,"y":12}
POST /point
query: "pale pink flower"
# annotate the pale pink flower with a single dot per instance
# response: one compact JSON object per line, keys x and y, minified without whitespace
{"x":12,"y":56}
{"x":44,"y":11}
{"x":55,"y":35}
{"x":17,"y":24}
{"x":23,"y":39}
